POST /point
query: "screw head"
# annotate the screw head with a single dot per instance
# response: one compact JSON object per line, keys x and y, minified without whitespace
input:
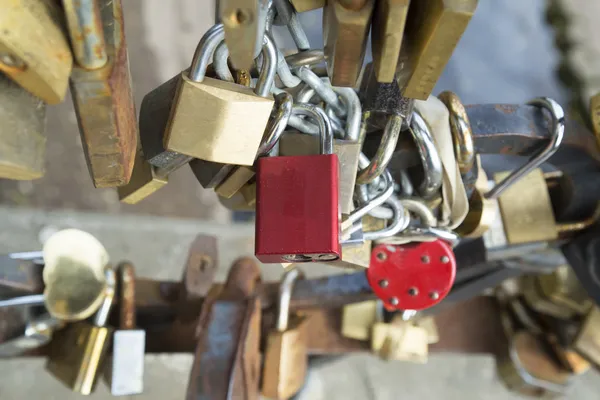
{"x":445,"y":259}
{"x":425,"y":259}
{"x":434,"y":295}
{"x":413,"y":291}
{"x":394,"y":301}
{"x":384,"y":283}
{"x":381,"y":256}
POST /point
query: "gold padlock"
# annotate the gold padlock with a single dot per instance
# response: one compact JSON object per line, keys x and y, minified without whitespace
{"x":345,"y":32}
{"x":307,"y":5}
{"x":102,"y":95}
{"x":241,"y":174}
{"x":433,"y":29}
{"x":145,"y":180}
{"x":34,"y":50}
{"x":233,"y":117}
{"x":587,"y":342}
{"x":389,"y":19}
{"x":244,"y":200}
{"x":400,"y":340}
{"x":358,"y":256}
{"x":77,"y":352}
{"x":358,"y":319}
{"x":285,"y":362}
{"x":22,"y":137}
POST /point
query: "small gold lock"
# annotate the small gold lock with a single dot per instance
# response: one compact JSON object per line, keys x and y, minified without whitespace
{"x":76,"y":353}
{"x":34,"y":50}
{"x":358,"y":319}
{"x":144,"y":181}
{"x":433,"y":29}
{"x":345,"y":31}
{"x":285,"y":360}
{"x":400,"y":340}
{"x":22,"y":136}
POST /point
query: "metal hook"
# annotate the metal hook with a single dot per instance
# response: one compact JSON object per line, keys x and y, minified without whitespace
{"x":558,"y":132}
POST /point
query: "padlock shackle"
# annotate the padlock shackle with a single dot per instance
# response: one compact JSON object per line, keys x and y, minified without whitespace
{"x":204,"y":51}
{"x":400,"y":221}
{"x":419,"y":207}
{"x":220,"y":62}
{"x":101,"y":317}
{"x":323,"y":122}
{"x":384,"y":153}
{"x":277,"y":124}
{"x":430,"y":158}
{"x":558,"y":133}
{"x":268,"y":68}
{"x":285,"y":296}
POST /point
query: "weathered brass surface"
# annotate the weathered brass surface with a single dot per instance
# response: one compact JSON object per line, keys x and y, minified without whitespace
{"x":233,"y":119}
{"x":285,"y":362}
{"x":307,"y":5}
{"x":74,"y":274}
{"x":389,"y":19}
{"x":433,"y":30}
{"x":358,"y":319}
{"x":104,"y":106}
{"x":345,"y":33}
{"x":462,"y":135}
{"x":526,"y":209}
{"x":34,"y":50}
{"x":144,"y":181}
{"x":22,"y":137}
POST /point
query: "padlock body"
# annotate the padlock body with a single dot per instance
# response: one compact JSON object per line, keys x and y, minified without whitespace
{"x":217,"y":121}
{"x":127,"y":374}
{"x":23,"y":149}
{"x":300,"y":144}
{"x":285,"y":362}
{"x":297,"y":211}
{"x":76,"y":355}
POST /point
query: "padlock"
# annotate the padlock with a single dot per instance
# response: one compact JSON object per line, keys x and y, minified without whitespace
{"x":358,"y":319}
{"x":103,"y":97}
{"x":400,"y":340}
{"x":285,"y":360}
{"x":299,"y":196}
{"x":23,"y":150}
{"x":127,"y":367}
{"x":233,"y":116}
{"x":307,"y":5}
{"x":34,"y":50}
{"x":146,"y":178}
{"x":347,"y":149}
{"x":244,"y":200}
{"x":358,"y":256}
{"x":245,"y":24}
{"x":77,"y":352}
{"x":413,"y":276}
{"x":389,"y":19}
{"x":433,"y":30}
{"x":345,"y":32}
{"x":529,"y":369}
{"x":241,"y":174}
{"x":587,"y":342}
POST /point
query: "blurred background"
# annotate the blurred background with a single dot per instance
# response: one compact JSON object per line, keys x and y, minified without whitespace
{"x":507,"y":55}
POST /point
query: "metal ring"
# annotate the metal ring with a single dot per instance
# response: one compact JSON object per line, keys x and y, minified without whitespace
{"x":558,"y":132}
{"x":462,"y":135}
{"x":308,"y":58}
{"x":323,"y":122}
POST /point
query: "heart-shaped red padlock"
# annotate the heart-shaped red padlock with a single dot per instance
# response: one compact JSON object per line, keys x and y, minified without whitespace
{"x":412,"y":276}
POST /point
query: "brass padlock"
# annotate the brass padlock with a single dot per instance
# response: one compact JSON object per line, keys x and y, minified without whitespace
{"x":389,"y":19}
{"x":358,"y":319}
{"x":587,"y":342}
{"x":307,"y":5}
{"x":241,"y":174}
{"x":34,"y":50}
{"x":345,"y":31}
{"x":285,"y":360}
{"x":77,"y":352}
{"x":233,"y":117}
{"x":23,"y":116}
{"x":433,"y":30}
{"x":358,"y":256}
{"x":102,"y":96}
{"x":400,"y":340}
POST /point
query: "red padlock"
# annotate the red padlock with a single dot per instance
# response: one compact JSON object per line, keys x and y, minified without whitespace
{"x":297,"y":209}
{"x":412,"y":276}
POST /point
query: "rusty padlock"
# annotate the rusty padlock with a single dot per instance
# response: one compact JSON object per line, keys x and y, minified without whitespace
{"x":297,"y":208}
{"x":101,"y":90}
{"x":286,"y":359}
